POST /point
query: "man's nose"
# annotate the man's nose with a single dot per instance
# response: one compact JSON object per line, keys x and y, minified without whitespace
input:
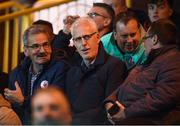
{"x":84,"y":42}
{"x":129,"y":39}
{"x":41,"y":49}
{"x":46,"y":112}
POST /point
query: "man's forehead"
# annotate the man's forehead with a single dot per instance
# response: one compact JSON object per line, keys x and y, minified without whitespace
{"x":98,"y":9}
{"x":83,"y":30}
{"x":130,"y":24}
{"x":38,"y":36}
{"x":156,"y":2}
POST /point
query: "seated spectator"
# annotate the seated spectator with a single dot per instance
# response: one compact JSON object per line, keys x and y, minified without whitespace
{"x":126,"y":43}
{"x":93,"y":76}
{"x":151,"y":90}
{"x":163,"y":9}
{"x":50,"y":107}
{"x":37,"y":70}
{"x":7,"y":116}
{"x":103,"y":15}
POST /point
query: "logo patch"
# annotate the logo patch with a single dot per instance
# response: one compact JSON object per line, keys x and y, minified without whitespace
{"x":44,"y":84}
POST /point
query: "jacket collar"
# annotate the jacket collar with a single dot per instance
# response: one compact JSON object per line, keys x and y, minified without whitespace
{"x":26,"y":64}
{"x":158,"y":52}
{"x":100,"y":59}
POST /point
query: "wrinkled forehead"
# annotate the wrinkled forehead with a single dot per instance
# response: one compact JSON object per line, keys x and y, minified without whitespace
{"x":83,"y":28}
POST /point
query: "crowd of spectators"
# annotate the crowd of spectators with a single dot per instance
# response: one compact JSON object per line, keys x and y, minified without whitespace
{"x":123,"y":68}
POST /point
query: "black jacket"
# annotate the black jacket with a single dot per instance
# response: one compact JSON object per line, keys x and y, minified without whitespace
{"x":88,"y":87}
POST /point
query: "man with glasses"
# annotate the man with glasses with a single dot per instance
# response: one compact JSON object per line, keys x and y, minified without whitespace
{"x":93,"y":76}
{"x":126,"y":43}
{"x":38,"y":70}
{"x":103,"y":15}
{"x":150,"y":94}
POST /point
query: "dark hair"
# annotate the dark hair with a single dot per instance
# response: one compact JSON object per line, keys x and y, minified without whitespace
{"x":125,"y":17}
{"x":109,"y":10}
{"x":43,"y":22}
{"x":166,"y":31}
{"x":170,"y":2}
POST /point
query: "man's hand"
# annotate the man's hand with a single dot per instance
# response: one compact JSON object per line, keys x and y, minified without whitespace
{"x":118,"y":116}
{"x":14,"y":96}
{"x":68,"y":21}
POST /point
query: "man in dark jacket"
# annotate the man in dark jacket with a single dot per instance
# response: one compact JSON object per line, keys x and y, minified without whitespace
{"x":93,"y":76}
{"x":151,"y":90}
{"x":38,"y":70}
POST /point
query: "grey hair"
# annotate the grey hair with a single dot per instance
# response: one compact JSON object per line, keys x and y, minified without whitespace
{"x":35,"y":29}
{"x":85,"y":20}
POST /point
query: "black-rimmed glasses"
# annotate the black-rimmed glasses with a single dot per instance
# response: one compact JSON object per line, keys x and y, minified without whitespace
{"x":94,"y":14}
{"x":147,"y":36}
{"x":84,"y":37}
{"x":45,"y":45}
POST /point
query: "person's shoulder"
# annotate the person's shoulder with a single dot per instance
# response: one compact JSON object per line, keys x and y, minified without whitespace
{"x":114,"y":61}
{"x":57,"y":64}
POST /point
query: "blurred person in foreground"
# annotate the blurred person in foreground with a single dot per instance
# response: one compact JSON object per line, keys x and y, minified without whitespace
{"x":50,"y":107}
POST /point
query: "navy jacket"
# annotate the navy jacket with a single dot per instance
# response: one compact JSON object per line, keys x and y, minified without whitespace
{"x":88,"y":87}
{"x":54,"y":73}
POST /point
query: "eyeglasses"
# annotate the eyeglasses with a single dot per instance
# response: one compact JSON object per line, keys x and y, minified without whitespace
{"x":45,"y":45}
{"x":94,"y":14}
{"x":85,"y":37}
{"x":132,"y":35}
{"x":146,"y":37}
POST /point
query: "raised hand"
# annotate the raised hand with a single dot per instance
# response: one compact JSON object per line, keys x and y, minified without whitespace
{"x":14,"y":96}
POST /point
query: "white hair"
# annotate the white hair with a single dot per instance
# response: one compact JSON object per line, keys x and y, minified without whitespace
{"x":83,"y":20}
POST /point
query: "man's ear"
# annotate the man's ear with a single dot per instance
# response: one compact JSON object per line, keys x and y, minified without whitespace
{"x":155,"y":39}
{"x":156,"y":43}
{"x":115,"y":35}
{"x":26,"y":52}
{"x":107,"y":22}
{"x":98,"y":37}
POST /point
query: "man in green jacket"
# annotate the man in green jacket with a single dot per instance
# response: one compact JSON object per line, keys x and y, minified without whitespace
{"x":125,"y":41}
